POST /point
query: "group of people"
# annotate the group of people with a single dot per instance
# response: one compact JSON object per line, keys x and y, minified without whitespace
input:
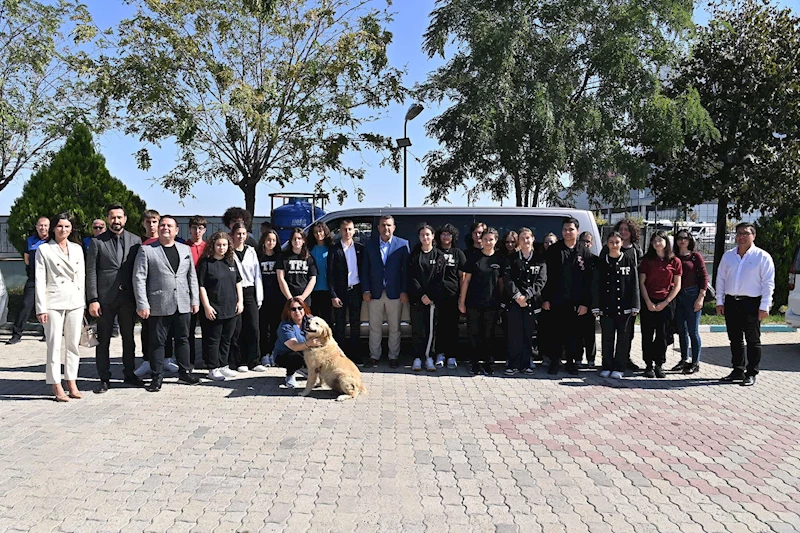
{"x":251,"y":299}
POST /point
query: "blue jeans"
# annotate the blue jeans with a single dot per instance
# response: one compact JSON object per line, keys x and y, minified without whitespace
{"x":688,"y":322}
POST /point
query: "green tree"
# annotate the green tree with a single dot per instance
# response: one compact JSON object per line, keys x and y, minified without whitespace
{"x":778,"y":234}
{"x":41,"y":90}
{"x":253,"y":91}
{"x":74,"y":180}
{"x":543,"y":89}
{"x":744,"y":67}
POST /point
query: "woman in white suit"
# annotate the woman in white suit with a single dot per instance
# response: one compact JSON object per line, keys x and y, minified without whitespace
{"x":60,"y":301}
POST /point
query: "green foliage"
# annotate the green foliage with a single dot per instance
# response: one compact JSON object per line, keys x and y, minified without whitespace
{"x":41,"y":90}
{"x":262,"y":90}
{"x":744,"y":70}
{"x":75,"y":180}
{"x":779,"y":234}
{"x":540,"y":89}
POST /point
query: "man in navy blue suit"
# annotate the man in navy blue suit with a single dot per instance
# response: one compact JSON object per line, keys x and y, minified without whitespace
{"x":384,"y":284}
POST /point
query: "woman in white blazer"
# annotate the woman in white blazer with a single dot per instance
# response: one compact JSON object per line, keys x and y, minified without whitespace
{"x":60,"y":301}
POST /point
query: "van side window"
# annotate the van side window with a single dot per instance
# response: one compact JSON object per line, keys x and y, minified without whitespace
{"x":363,"y":227}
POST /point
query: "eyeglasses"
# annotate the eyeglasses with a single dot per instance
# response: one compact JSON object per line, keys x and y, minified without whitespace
{"x":98,"y":227}
{"x":295,"y":309}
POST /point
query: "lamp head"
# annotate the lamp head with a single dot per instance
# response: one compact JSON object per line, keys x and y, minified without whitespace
{"x":414,"y":111}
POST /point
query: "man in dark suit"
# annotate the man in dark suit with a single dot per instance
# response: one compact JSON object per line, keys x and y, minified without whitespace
{"x":384,"y":284}
{"x":167,"y":294}
{"x":345,"y":265}
{"x":109,"y":291}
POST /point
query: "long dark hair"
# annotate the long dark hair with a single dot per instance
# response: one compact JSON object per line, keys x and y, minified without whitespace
{"x":468,"y":238}
{"x":263,"y":239}
{"x":304,"y":249}
{"x":209,"y":251}
{"x":310,"y":238}
{"x":74,"y":235}
{"x":692,"y":243}
{"x":651,"y":252}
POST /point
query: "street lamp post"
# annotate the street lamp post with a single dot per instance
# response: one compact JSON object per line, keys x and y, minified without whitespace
{"x":404,"y":143}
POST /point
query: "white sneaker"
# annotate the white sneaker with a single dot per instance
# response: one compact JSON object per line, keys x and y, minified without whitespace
{"x":242,"y":368}
{"x":440,"y":360}
{"x":259,"y":368}
{"x":605,"y":373}
{"x":616,"y":375}
{"x":216,"y":375}
{"x":429,"y":366}
{"x":451,"y":363}
{"x":228,"y":372}
{"x":170,"y":365}
{"x":417,"y":365}
{"x":143,"y":370}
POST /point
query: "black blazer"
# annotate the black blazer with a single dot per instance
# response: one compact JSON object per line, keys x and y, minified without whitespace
{"x":106,"y":278}
{"x":337,"y":268}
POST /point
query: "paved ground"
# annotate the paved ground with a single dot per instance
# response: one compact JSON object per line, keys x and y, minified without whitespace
{"x":443,"y":452}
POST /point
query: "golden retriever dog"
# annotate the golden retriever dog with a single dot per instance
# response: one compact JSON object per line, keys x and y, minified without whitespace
{"x":329,"y":364}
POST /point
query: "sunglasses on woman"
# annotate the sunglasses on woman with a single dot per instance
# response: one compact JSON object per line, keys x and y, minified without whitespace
{"x":295,"y":309}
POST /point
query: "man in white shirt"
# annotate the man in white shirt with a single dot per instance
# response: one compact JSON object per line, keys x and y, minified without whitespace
{"x":345,"y":262}
{"x":745,"y":282}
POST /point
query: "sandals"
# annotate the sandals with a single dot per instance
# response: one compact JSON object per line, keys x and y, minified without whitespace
{"x":63,"y":398}
{"x":76,"y":395}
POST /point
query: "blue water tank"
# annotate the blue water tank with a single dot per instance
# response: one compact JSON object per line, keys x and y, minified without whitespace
{"x":296,"y":213}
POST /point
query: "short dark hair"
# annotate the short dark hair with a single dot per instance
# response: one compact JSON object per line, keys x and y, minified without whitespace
{"x":692,"y":243}
{"x":633,"y":227}
{"x":150,"y":213}
{"x":233,"y":213}
{"x":198,"y":220}
{"x":614,"y":234}
{"x":468,"y":238}
{"x":748,"y":225}
{"x":345,"y":221}
{"x":111,"y":207}
{"x":570,"y":220}
{"x":385,"y":217}
{"x":585,"y":234}
{"x":266,"y":226}
{"x":447,"y":228}
{"x":175,"y":220}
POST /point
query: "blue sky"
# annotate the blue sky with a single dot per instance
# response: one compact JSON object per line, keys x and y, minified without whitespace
{"x":382,"y":186}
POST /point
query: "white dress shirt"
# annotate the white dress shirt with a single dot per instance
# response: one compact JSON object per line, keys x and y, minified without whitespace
{"x":752,"y":275}
{"x":352,"y":264}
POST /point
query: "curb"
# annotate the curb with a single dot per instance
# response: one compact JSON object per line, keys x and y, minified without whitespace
{"x":721,"y":328}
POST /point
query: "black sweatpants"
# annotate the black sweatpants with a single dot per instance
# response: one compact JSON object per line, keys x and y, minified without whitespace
{"x":564,"y":334}
{"x":291,"y":361}
{"x":423,"y":328}
{"x":521,"y":326}
{"x":588,"y":338}
{"x":244,"y":347}
{"x":322,"y":306}
{"x":616,"y":341}
{"x":480,"y":324}
{"x":125,"y":309}
{"x":269,"y":316}
{"x":351,"y":309}
{"x":447,"y":317}
{"x":159,"y":333}
{"x":741,"y":320}
{"x":217,"y":336}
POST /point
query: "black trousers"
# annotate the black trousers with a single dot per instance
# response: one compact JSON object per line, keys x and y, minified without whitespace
{"x":244,"y":348}
{"x":291,"y":361}
{"x":447,"y":317}
{"x":741,"y":320}
{"x":616,"y":341}
{"x":217,"y":336}
{"x":656,"y":333}
{"x":588,"y":338}
{"x":159,"y":327}
{"x":269,"y":316}
{"x":193,"y":340}
{"x":349,"y":312}
{"x":28,"y":303}
{"x":480,"y":324}
{"x":564,"y":335}
{"x":321,"y":305}
{"x":124,"y":309}
{"x":422,"y":330}
{"x":521,"y":326}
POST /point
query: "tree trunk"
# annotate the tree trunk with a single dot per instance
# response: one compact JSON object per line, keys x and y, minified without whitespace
{"x":722,"y":232}
{"x":518,"y":190}
{"x":249,"y":190}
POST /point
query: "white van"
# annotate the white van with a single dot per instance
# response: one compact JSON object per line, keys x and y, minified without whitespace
{"x":541,"y":220}
{"x":793,"y":311}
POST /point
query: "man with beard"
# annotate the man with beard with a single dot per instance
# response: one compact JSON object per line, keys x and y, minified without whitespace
{"x":109,"y":288}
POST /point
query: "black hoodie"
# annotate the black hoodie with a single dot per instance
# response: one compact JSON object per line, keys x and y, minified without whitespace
{"x":425,"y":270}
{"x":526,"y":277}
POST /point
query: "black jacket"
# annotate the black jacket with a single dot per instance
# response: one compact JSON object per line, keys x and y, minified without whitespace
{"x":569,"y":276}
{"x":526,"y":277}
{"x":615,"y":288}
{"x":337,"y":268}
{"x":425,"y":273}
{"x":107,"y":278}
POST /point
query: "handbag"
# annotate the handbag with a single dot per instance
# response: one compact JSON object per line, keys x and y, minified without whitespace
{"x":89,"y":335}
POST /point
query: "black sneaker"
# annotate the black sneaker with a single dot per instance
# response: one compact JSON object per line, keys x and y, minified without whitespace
{"x":633,"y":367}
{"x":572,"y":369}
{"x":188,"y":379}
{"x":691,"y":368}
{"x":678,"y":368}
{"x":659,"y":372}
{"x":475,"y":370}
{"x":553,"y":369}
{"x":14,"y":340}
{"x":155,"y":384}
{"x":487,"y":368}
{"x":649,"y":373}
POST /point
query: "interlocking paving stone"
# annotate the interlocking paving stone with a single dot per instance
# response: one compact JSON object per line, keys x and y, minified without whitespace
{"x":430,"y":452}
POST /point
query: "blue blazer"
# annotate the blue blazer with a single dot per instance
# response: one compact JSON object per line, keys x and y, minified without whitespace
{"x":395,"y":272}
